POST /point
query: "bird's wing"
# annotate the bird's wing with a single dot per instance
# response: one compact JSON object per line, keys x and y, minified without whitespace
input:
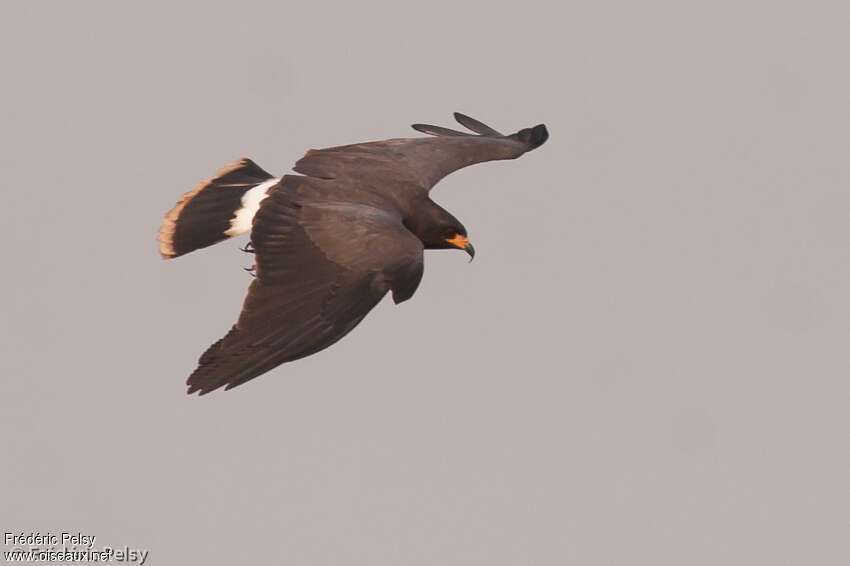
{"x":420,"y":162}
{"x":321,"y":267}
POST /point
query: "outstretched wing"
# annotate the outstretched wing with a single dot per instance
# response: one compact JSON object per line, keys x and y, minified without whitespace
{"x":321,"y":267}
{"x":420,"y":162}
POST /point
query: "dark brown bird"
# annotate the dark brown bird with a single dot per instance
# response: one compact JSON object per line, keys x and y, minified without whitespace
{"x":330,"y":242}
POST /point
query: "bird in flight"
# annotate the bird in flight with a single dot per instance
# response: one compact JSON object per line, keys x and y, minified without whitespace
{"x":330,"y":242}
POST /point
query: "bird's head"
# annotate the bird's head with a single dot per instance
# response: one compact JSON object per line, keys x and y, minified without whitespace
{"x":438,"y":229}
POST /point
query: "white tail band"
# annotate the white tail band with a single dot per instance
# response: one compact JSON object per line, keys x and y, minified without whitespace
{"x":244,"y":217}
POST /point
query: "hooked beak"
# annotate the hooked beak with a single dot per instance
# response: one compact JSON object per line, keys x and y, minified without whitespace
{"x":462,"y":243}
{"x":470,"y":250}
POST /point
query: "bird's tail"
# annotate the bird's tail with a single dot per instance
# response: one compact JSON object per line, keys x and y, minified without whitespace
{"x":216,"y":209}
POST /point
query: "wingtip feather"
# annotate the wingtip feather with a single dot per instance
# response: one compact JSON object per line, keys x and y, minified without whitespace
{"x":437,"y":130}
{"x":476,"y":126}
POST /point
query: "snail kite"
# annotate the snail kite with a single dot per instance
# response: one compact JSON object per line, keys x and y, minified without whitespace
{"x":330,"y":242}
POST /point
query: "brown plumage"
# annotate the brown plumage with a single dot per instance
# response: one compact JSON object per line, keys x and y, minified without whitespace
{"x":330,"y":242}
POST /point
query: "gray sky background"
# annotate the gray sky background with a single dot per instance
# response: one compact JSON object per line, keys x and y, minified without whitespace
{"x":647,"y":363}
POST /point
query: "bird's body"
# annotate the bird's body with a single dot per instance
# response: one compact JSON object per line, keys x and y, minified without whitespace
{"x":329,"y":242}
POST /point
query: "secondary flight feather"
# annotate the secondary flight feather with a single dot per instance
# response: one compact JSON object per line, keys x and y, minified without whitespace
{"x":330,"y":242}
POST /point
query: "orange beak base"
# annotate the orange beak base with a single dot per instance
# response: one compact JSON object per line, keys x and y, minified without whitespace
{"x":462,"y":243}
